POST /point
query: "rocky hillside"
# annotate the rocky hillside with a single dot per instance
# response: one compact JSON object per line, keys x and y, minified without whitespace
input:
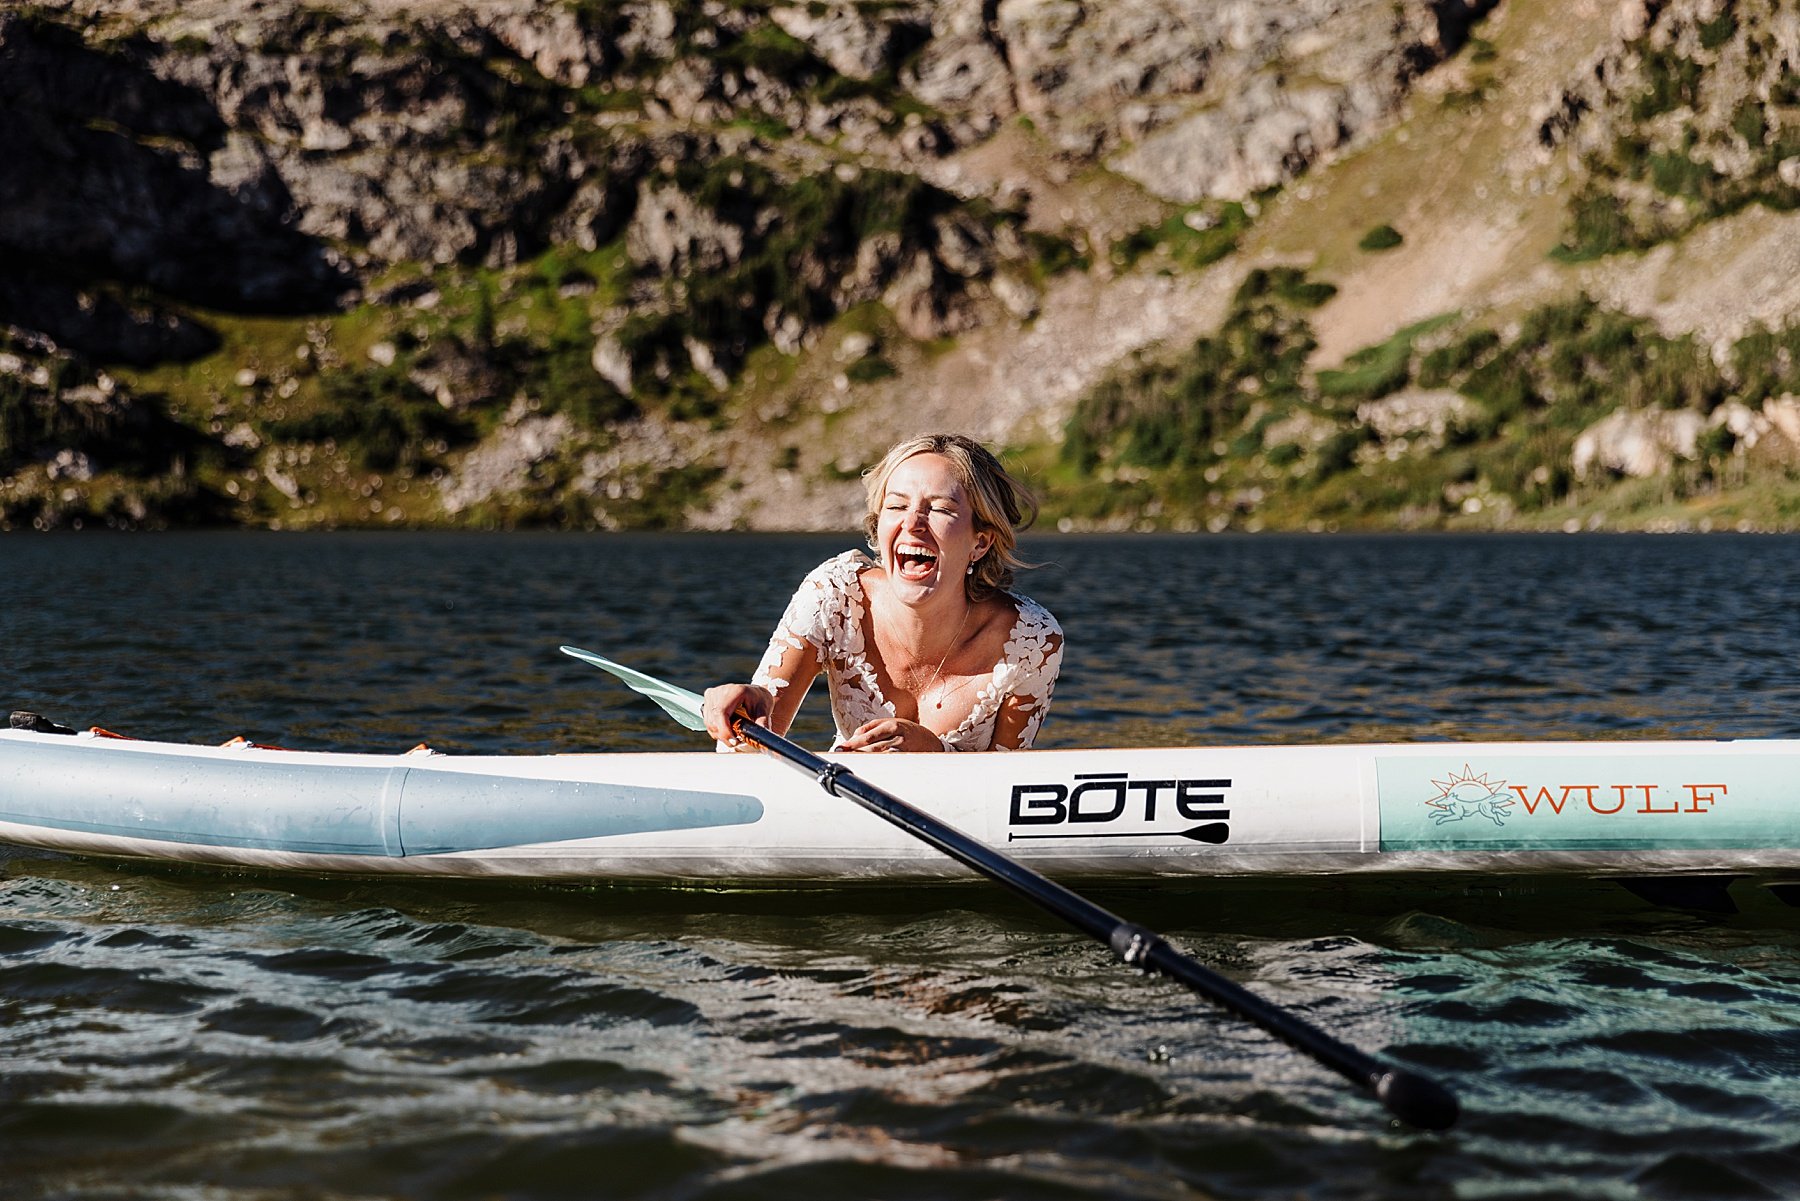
{"x":692,"y":263}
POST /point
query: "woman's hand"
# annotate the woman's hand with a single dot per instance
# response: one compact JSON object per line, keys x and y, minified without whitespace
{"x":726,"y":704}
{"x":891,"y":734}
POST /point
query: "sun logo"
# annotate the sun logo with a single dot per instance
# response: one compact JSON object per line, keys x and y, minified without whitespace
{"x":1466,"y":794}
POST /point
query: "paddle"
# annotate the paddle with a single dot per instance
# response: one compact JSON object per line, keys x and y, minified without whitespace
{"x":1412,"y":1098}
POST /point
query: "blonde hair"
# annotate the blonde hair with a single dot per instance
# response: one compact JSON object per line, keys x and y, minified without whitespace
{"x":1002,"y":505}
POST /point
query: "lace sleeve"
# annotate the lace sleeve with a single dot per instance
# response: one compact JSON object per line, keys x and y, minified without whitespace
{"x":1027,"y":678}
{"x":813,"y":618}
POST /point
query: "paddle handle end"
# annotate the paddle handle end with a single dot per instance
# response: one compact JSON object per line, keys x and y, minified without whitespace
{"x":1418,"y":1101}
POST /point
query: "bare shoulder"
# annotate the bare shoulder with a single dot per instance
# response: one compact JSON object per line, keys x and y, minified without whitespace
{"x":997,"y":614}
{"x":1006,"y":616}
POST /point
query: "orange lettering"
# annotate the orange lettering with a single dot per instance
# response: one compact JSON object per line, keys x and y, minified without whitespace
{"x":1697,"y":798}
{"x":1621,"y":789}
{"x":1648,"y":807}
{"x":1543,"y":797}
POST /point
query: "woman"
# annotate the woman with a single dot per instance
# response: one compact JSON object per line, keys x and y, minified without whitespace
{"x":923,"y":647}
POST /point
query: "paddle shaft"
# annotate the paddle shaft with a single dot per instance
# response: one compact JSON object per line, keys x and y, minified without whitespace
{"x":1414,"y":1099}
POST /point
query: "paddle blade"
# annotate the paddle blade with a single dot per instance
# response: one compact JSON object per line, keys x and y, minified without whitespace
{"x":679,"y":703}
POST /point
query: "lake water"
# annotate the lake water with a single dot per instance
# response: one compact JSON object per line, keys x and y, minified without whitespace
{"x":175,"y":1034}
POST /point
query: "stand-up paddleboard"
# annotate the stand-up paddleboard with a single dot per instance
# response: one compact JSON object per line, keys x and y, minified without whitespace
{"x":1584,"y":808}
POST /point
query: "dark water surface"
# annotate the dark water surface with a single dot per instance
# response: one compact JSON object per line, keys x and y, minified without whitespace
{"x":183,"y":1035}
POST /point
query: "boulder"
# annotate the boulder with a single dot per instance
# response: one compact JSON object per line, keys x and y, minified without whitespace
{"x":1638,"y":442}
{"x":962,"y":71}
{"x":925,"y":304}
{"x":1783,"y":415}
{"x":858,"y":41}
{"x":964,"y":245}
{"x":1067,"y":56}
{"x":612,"y":362}
{"x":455,"y":376}
{"x":1263,"y":136}
{"x":552,"y":39}
{"x":1019,"y":295}
{"x":675,"y":234}
{"x":1747,"y":426}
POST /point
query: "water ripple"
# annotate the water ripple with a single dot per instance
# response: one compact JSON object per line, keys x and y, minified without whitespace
{"x":207,"y":1036}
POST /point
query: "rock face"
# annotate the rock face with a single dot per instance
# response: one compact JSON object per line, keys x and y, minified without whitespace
{"x":699,"y":196}
{"x":108,"y":188}
{"x":271,"y":156}
{"x":1192,"y":101}
{"x":1687,"y":117}
{"x":503,"y":464}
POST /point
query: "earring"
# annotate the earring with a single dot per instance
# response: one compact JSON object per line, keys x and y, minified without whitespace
{"x":971,"y":570}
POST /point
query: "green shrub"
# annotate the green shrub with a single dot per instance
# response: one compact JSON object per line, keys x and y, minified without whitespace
{"x":1671,"y":82}
{"x":770,"y":49}
{"x":1375,"y":371}
{"x":1339,"y":452}
{"x":19,"y":420}
{"x":1675,"y":174}
{"x":1187,"y":247}
{"x":1718,"y":31}
{"x":1382,"y":237}
{"x":562,"y":377}
{"x":1370,"y":373}
{"x":1766,"y":363}
{"x":1168,"y":414}
{"x":378,"y":417}
{"x":1288,"y":285}
{"x":1599,"y":227}
{"x":868,"y":369}
{"x":1750,"y":122}
{"x":1052,"y":254}
{"x":1438,"y":367}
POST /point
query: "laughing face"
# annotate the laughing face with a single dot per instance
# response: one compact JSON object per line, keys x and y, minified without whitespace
{"x":926,"y":532}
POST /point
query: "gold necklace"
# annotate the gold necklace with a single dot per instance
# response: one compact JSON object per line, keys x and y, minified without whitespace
{"x":954,"y":639}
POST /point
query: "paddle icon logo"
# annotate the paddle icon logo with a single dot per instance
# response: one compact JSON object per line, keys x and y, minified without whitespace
{"x":1464,"y":794}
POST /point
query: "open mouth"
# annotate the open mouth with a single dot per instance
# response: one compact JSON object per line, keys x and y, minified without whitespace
{"x":914,"y":562}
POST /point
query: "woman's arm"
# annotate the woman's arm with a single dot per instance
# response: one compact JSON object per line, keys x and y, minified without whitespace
{"x":773,"y":702}
{"x":1022,"y":713}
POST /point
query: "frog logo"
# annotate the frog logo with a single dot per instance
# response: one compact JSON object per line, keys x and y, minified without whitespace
{"x":1465,"y":794}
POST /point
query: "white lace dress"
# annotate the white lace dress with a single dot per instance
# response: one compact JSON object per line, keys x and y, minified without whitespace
{"x":827,"y":611}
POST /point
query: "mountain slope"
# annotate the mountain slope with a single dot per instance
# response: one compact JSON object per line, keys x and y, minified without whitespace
{"x":695,"y":264}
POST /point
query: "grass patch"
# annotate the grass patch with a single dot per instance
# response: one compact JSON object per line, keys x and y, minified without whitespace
{"x":1375,"y":371}
{"x":1193,"y":238}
